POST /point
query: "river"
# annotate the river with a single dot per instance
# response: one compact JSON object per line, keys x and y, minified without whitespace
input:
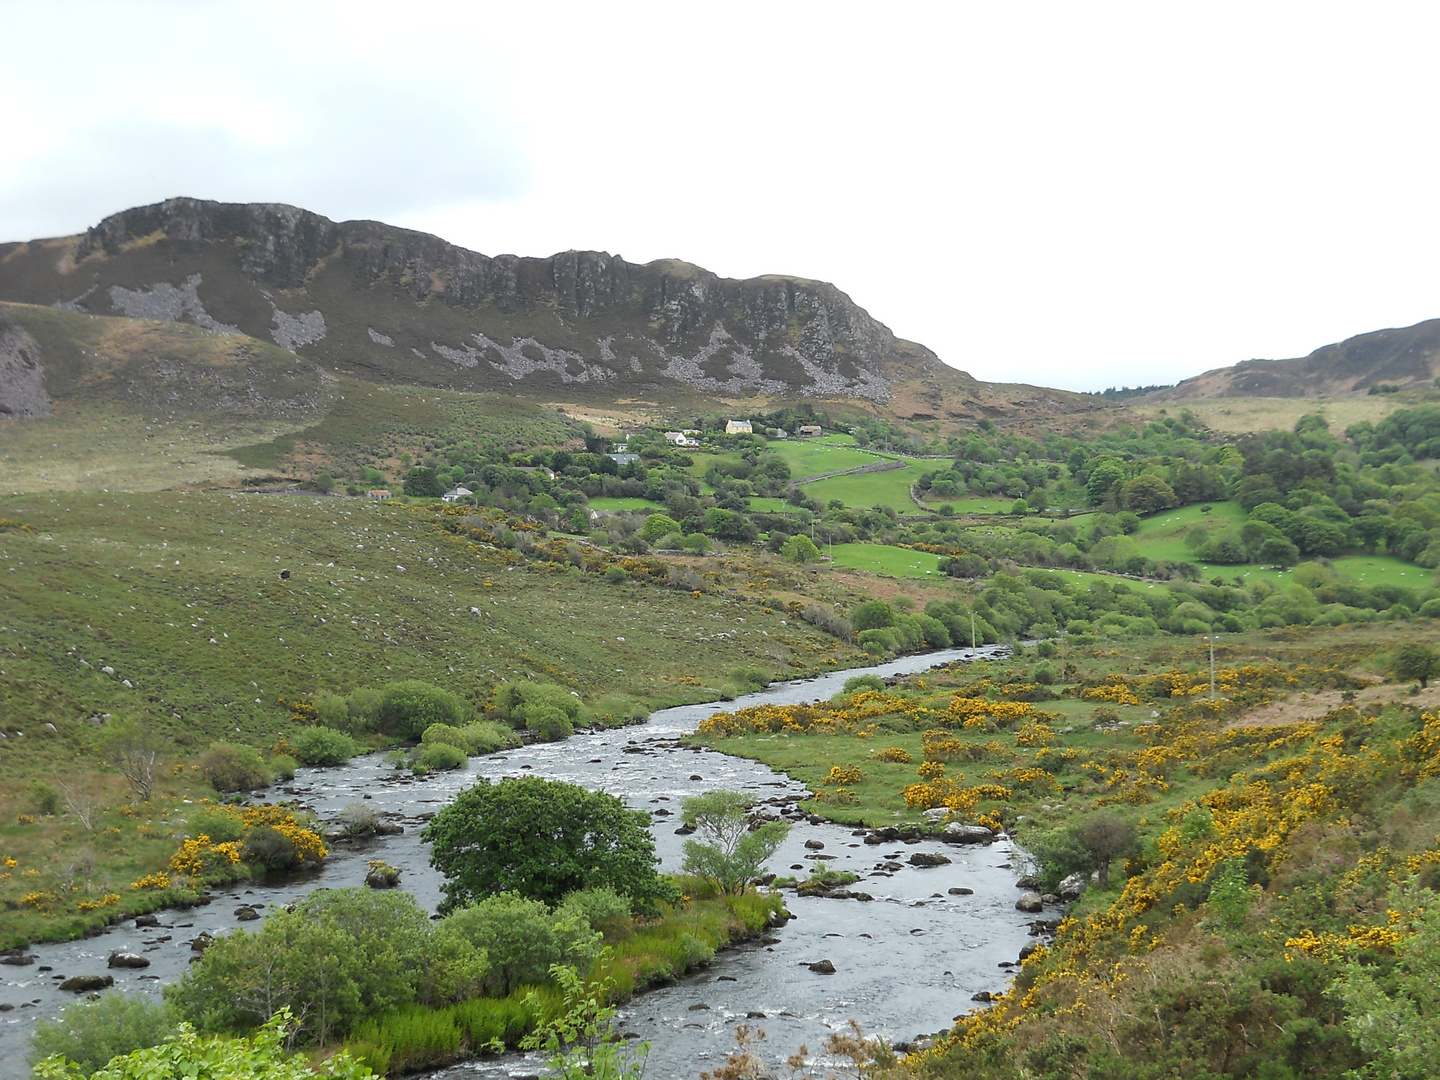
{"x":906,"y":963}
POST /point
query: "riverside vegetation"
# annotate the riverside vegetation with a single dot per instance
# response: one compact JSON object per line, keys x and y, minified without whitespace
{"x":1262,"y":866}
{"x":542,"y":930}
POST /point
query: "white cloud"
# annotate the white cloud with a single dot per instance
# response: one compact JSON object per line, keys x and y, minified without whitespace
{"x":1077,"y":195}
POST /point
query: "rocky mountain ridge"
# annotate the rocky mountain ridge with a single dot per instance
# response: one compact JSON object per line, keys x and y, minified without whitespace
{"x":386,"y":302}
{"x":1406,"y":358}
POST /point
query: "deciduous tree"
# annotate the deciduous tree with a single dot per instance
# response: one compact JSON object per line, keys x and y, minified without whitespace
{"x":542,"y":839}
{"x":727,"y":851}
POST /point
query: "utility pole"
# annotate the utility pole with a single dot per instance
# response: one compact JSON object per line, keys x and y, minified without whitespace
{"x":1211,"y":639}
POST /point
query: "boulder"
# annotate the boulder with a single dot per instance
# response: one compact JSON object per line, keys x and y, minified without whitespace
{"x":1049,"y":898}
{"x":983,"y":995}
{"x":822,"y":967}
{"x":925,"y":858}
{"x":1029,"y":882}
{"x":956,"y":833}
{"x":1030,"y":902}
{"x":246,"y":914}
{"x":202,"y":941}
{"x":147,"y":920}
{"x":382,"y":875}
{"x":1072,"y":887}
{"x":18,"y":959}
{"x":815,"y":845}
{"x":82,"y":984}
{"x":960,"y":890}
{"x":388,"y":828}
{"x":120,"y":958}
{"x":1027,"y":951}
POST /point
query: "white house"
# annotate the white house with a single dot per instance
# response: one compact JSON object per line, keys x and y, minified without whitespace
{"x":810,"y":431}
{"x":680,"y":438}
{"x":455,"y":494}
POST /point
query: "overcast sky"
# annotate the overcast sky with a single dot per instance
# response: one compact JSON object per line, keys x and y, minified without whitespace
{"x":1076,"y":195}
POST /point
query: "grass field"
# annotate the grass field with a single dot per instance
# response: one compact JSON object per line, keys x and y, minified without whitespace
{"x":1163,"y":537}
{"x":761,"y":504}
{"x":869,"y":490}
{"x":879,"y":559}
{"x":615,"y":506}
{"x":988,"y":505}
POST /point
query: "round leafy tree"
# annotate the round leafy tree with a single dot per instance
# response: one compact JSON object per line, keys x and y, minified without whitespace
{"x":1415,"y":661}
{"x":542,"y":839}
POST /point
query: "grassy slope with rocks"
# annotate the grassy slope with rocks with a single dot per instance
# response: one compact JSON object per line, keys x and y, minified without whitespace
{"x":180,"y":595}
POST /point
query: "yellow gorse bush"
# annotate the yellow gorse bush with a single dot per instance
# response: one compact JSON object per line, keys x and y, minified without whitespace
{"x":844,"y":774}
{"x":198,"y":855}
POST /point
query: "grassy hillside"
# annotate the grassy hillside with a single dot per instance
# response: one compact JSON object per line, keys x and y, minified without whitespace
{"x":181,"y":595}
{"x":140,"y":405}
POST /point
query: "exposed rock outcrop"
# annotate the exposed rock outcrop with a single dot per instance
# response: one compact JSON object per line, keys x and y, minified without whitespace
{"x":22,"y":376}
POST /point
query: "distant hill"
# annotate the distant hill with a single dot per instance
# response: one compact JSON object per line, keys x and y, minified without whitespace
{"x":1408,"y":358}
{"x":391,"y":305}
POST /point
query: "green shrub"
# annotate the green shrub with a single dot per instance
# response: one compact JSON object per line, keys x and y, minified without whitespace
{"x":548,"y":723}
{"x":518,"y":935}
{"x":750,"y":678}
{"x":486,"y":737}
{"x":872,"y":615}
{"x":221,"y":827}
{"x":268,"y":847}
{"x":600,"y":907}
{"x":615,"y":575}
{"x":410,"y":706}
{"x":444,"y":733}
{"x":547,"y":710}
{"x":91,"y":1033}
{"x":441,"y":755}
{"x":228,"y":767}
{"x":44,"y":799}
{"x":858,"y":683}
{"x":282,"y":767}
{"x":322,"y":746}
{"x":363,"y":707}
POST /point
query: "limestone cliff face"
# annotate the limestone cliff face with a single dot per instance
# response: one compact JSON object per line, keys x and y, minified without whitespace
{"x":363,"y":294}
{"x":22,"y":375}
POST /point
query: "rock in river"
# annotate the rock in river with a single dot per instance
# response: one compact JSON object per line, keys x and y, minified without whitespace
{"x":925,"y":858}
{"x":822,"y":967}
{"x":80,"y":984}
{"x":956,"y":833}
{"x":1030,"y":902}
{"x":120,"y":958}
